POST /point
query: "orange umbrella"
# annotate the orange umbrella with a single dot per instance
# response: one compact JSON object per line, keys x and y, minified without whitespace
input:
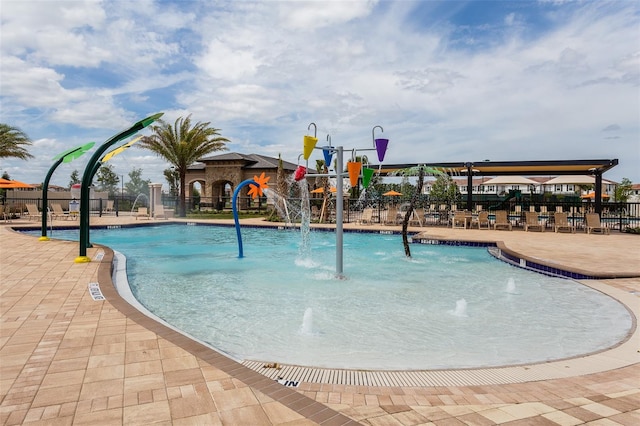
{"x":592,"y":195}
{"x":321,"y":190}
{"x":392,"y":193}
{"x":12,"y":184}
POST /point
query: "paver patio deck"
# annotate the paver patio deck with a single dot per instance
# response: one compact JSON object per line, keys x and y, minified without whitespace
{"x":68,"y":359}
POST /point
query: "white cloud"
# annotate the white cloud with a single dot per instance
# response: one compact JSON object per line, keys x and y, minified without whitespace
{"x":263,"y":70}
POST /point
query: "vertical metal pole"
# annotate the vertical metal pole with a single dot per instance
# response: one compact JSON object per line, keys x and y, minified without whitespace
{"x":339,"y":218}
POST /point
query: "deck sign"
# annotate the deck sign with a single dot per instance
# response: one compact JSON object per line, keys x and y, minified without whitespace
{"x":95,"y":292}
{"x":289,"y":383}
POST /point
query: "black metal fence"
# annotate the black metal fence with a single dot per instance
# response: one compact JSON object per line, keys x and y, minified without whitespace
{"x":616,"y":216}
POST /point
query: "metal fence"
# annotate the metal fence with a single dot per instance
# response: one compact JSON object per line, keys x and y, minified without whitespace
{"x":615,"y":216}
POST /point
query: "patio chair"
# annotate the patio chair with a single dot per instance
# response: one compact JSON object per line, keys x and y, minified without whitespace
{"x":158,"y":212}
{"x":481,"y":220}
{"x":392,"y":216}
{"x":562,"y":223}
{"x":5,"y":213}
{"x":502,"y":220}
{"x":142,"y":212}
{"x":532,"y":222}
{"x":109,"y":207}
{"x":33,"y":212}
{"x":459,"y":219}
{"x":367,"y":216}
{"x":58,"y":212}
{"x":417,"y":217}
{"x":593,"y":224}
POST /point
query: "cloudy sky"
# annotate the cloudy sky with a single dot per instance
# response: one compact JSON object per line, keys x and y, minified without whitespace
{"x":447,"y":80}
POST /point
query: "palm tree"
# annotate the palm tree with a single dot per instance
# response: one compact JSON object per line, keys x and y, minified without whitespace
{"x":182,"y":144}
{"x":420,"y":170}
{"x":12,"y":141}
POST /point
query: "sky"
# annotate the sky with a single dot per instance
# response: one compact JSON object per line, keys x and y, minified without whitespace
{"x":448,"y":81}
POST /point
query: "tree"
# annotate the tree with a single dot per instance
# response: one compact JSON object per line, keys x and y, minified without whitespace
{"x":75,"y":178}
{"x":108,"y":180}
{"x":13,"y":142}
{"x":136,"y":184}
{"x":623,"y":191}
{"x":445,"y":190}
{"x":173,"y":179}
{"x":182,"y":144}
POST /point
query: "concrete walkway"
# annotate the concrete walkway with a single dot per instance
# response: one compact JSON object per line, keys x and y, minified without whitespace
{"x":66,"y":358}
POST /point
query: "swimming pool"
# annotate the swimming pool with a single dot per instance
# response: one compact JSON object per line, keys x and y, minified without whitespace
{"x":446,"y":307}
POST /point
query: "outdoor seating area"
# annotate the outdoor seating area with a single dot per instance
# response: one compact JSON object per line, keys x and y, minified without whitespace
{"x":532,"y":218}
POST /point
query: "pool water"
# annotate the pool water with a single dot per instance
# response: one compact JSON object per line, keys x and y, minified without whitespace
{"x":446,"y":307}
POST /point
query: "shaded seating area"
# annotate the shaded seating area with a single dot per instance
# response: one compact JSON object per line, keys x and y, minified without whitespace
{"x":593,"y":224}
{"x":562,"y":223}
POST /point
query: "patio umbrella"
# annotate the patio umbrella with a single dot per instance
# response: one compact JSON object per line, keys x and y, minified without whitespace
{"x":392,"y":193}
{"x":321,"y":190}
{"x":13,"y":184}
{"x":592,"y":195}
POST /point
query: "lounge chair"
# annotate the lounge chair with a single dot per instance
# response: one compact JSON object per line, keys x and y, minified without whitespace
{"x":58,"y":213}
{"x":5,"y":213}
{"x":142,"y":212}
{"x":109,"y":207}
{"x":481,"y":220}
{"x":593,"y":224}
{"x":562,"y":223}
{"x":533,"y":222}
{"x":502,"y":220}
{"x":158,"y":212}
{"x":416,"y":217}
{"x":367,"y":216}
{"x":459,"y":219}
{"x":392,"y":216}
{"x":33,"y":212}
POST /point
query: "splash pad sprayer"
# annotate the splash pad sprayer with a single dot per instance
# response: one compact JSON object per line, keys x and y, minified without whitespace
{"x":354,"y":170}
{"x":90,"y":170}
{"x":258,"y":185}
{"x":64,"y":157}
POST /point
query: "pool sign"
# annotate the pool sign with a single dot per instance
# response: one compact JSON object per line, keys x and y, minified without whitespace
{"x":95,"y":292}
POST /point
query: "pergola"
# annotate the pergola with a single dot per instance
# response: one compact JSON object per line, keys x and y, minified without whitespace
{"x":594,"y":168}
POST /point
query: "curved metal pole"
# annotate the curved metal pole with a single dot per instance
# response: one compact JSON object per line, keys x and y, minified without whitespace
{"x":329,"y":139}
{"x":45,"y":200}
{"x":315,"y":129}
{"x":373,"y":135}
{"x":88,"y":176}
{"x":234,"y":208}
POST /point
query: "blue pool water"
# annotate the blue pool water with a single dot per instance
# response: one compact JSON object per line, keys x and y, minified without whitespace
{"x":446,"y":307}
